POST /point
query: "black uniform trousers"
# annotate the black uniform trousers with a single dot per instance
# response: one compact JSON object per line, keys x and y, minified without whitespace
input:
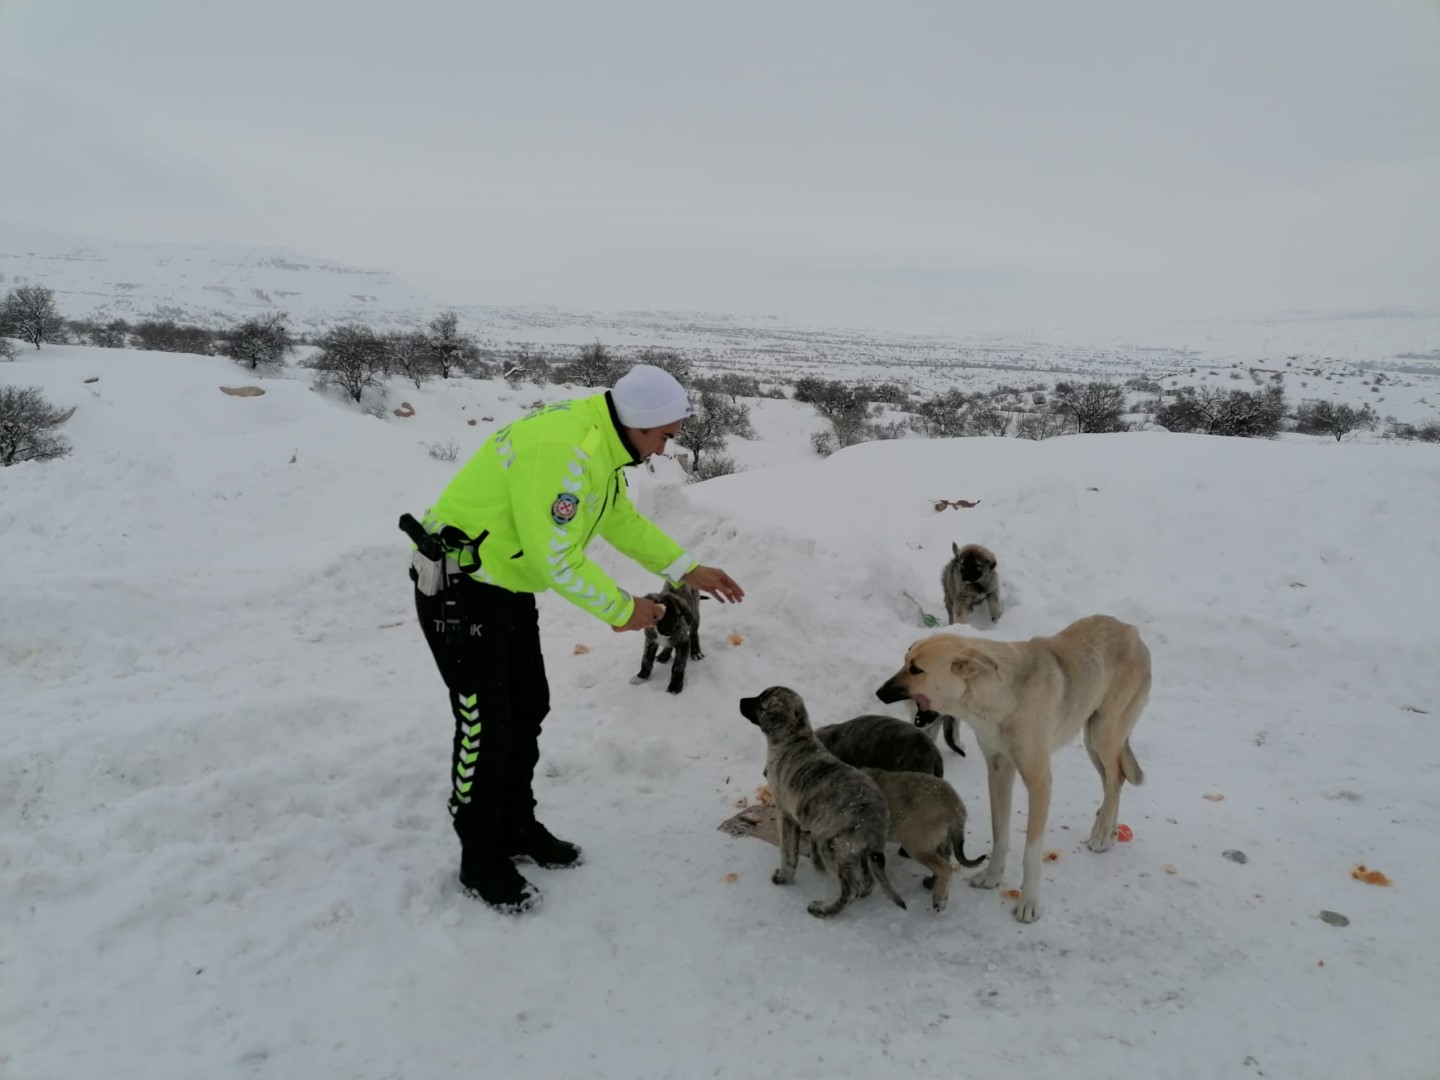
{"x":486,"y":643}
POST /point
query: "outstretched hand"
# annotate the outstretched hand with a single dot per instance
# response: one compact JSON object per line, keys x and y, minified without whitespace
{"x":646,"y":614}
{"x":716,"y":582}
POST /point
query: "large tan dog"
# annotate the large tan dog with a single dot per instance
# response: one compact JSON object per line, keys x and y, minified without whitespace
{"x":1025,"y":700}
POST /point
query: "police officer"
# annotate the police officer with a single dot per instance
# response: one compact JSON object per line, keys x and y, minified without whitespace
{"x":515,"y":521}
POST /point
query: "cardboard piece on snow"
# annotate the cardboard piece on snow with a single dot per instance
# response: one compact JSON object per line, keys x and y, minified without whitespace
{"x":757,"y":820}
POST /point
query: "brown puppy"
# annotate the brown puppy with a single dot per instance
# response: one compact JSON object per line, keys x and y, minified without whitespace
{"x":1025,"y":700}
{"x":928,"y":819}
{"x":969,"y":579}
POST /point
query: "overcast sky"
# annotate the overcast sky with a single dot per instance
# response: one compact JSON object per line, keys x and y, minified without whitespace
{"x":882,"y":163}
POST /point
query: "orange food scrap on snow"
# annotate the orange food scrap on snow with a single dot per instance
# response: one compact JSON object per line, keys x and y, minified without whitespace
{"x":763,"y":794}
{"x":1214,"y":797}
{"x":1170,"y":869}
{"x":581,"y":650}
{"x":1011,"y":894}
{"x":1370,"y":877}
{"x":730,"y":879}
{"x":742,"y":802}
{"x":1051,"y":856}
{"x":735,"y":639}
{"x":1123,"y":834}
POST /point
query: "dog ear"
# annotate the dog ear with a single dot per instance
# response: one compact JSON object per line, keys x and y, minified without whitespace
{"x":972,"y":663}
{"x":955,"y":548}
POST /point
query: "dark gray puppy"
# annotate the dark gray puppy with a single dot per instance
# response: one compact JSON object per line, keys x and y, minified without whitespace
{"x":969,"y":579}
{"x":680,"y":627}
{"x":882,"y":742}
{"x":838,"y":805}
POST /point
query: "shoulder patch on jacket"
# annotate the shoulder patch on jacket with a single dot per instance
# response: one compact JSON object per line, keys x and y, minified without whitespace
{"x":562,"y":510}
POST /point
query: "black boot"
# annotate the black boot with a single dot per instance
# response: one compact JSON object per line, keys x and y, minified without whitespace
{"x":531,"y":840}
{"x":487,"y":874}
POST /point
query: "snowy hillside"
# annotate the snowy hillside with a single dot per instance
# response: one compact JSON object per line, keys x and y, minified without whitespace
{"x":208,"y":284}
{"x":215,"y":284}
{"x":224,"y":850}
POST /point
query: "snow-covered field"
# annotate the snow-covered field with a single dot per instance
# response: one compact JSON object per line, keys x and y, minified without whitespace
{"x":216,"y":284}
{"x":224,"y":751}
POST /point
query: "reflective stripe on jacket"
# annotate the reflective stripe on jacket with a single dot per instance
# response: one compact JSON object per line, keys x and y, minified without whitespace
{"x":535,"y":494}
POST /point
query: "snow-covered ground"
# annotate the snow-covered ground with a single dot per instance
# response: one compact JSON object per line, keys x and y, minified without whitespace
{"x":224,"y":751}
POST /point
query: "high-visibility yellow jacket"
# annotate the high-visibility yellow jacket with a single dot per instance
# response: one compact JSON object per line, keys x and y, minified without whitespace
{"x":535,"y":494}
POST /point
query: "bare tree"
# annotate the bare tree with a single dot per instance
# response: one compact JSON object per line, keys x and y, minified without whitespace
{"x":668,"y":360}
{"x":711,"y":422}
{"x":410,"y":355}
{"x":1094,"y":407}
{"x":713,"y":466}
{"x":1327,"y":418}
{"x":353,"y":358}
{"x":261,"y":342}
{"x":736,"y":386}
{"x":1213,"y":411}
{"x":942,"y":416}
{"x":8,"y":351}
{"x":594,"y":366}
{"x":849,"y":424}
{"x":453,"y":352}
{"x":986,"y":420}
{"x":166,"y":335}
{"x":1044,"y":424}
{"x":27,"y":426}
{"x":29,"y":313}
{"x":526,"y":365}
{"x":113,"y":335}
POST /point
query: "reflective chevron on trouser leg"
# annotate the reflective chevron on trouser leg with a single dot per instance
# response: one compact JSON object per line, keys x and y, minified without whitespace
{"x":467,"y":749}
{"x":486,"y":645}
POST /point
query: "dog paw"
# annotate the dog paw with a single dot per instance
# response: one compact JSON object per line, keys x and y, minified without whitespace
{"x":1101,"y":840}
{"x":636,"y":680}
{"x":697,"y":656}
{"x":780,"y":877}
{"x":986,"y":880}
{"x":819,"y":909}
{"x":674,"y":689}
{"x":939,"y":905}
{"x":929,"y":882}
{"x":1027,"y":910}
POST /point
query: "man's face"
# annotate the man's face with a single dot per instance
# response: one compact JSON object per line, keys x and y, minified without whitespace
{"x":653,"y":440}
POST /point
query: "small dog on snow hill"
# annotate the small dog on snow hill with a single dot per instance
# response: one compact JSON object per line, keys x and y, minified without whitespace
{"x":969,"y":579}
{"x":680,"y":627}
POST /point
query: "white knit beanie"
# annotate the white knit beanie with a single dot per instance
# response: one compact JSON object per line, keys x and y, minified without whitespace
{"x":649,"y":397}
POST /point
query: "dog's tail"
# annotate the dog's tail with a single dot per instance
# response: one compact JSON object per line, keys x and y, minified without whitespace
{"x":957,"y":842}
{"x":952,"y":732}
{"x":876,"y":862}
{"x":1129,"y":767}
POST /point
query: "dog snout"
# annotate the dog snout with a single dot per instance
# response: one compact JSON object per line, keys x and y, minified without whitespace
{"x":892,"y":691}
{"x":750,"y":709}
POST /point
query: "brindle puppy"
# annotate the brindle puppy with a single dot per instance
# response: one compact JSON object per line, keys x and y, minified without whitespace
{"x":815,"y":792}
{"x":680,"y":627}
